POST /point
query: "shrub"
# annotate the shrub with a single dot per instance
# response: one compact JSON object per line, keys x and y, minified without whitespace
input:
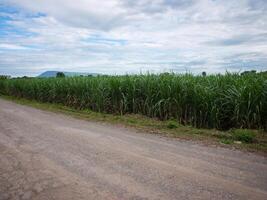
{"x":60,"y":75}
{"x":226,"y":141}
{"x":244,"y":135}
{"x":172,"y":124}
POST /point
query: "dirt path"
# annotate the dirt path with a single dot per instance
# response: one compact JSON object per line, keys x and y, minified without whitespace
{"x":45,"y":155}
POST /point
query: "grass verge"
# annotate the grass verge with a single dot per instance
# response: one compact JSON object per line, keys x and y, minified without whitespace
{"x":249,"y":140}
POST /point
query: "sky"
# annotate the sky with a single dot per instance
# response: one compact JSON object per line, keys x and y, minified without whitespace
{"x":132,"y":36}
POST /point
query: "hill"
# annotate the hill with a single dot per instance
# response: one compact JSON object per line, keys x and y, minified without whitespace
{"x":48,"y":74}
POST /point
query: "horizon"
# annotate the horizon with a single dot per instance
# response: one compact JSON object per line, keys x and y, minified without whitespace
{"x":138,"y":73}
{"x":129,"y":37}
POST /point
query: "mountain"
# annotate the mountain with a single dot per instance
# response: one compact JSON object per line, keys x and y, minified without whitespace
{"x":48,"y":74}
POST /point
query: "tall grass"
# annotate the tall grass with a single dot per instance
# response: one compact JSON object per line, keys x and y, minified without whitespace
{"x":216,"y":101}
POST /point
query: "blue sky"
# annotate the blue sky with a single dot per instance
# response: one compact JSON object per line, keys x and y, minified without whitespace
{"x":126,"y":36}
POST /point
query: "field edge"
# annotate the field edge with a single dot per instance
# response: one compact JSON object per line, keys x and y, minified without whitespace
{"x":169,"y":128}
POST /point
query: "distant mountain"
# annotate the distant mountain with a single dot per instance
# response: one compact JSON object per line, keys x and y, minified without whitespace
{"x":48,"y":74}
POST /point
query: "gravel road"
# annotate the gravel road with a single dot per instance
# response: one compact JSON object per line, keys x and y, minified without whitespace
{"x":45,"y":155}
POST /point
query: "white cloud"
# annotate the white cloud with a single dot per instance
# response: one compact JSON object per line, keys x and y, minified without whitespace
{"x":12,"y":47}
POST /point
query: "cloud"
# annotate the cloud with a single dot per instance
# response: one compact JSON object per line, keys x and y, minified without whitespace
{"x":12,"y":47}
{"x":241,"y":40}
{"x":119,"y":36}
{"x":155,"y":6}
{"x":81,"y":13}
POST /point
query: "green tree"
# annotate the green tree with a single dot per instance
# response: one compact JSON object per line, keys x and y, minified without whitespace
{"x":5,"y":77}
{"x":248,"y":72}
{"x":60,"y":75}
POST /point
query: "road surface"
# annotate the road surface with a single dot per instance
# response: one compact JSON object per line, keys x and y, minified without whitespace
{"x":45,"y":155}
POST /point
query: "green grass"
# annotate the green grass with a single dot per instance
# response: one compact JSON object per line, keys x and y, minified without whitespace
{"x":172,"y":124}
{"x":244,"y":135}
{"x":226,"y":141}
{"x":168,"y":128}
{"x":218,"y":101}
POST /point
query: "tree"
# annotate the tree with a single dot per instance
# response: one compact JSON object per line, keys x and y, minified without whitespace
{"x":5,"y":77}
{"x":60,"y":75}
{"x":204,"y":74}
{"x":248,"y":72}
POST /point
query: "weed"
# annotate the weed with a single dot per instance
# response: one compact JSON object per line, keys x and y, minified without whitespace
{"x":226,"y":141}
{"x":244,"y":135}
{"x":172,"y":125}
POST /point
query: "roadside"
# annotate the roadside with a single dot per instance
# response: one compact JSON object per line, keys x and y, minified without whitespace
{"x":46,"y":155}
{"x":245,"y":140}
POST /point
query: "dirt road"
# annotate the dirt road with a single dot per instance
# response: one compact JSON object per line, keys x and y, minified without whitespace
{"x":45,"y":155}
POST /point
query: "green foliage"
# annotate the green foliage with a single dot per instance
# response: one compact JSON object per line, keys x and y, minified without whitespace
{"x":60,"y":75}
{"x":172,"y":124}
{"x":226,"y":141}
{"x":3,"y":77}
{"x":244,"y":135}
{"x":248,"y":72}
{"x":212,"y":101}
